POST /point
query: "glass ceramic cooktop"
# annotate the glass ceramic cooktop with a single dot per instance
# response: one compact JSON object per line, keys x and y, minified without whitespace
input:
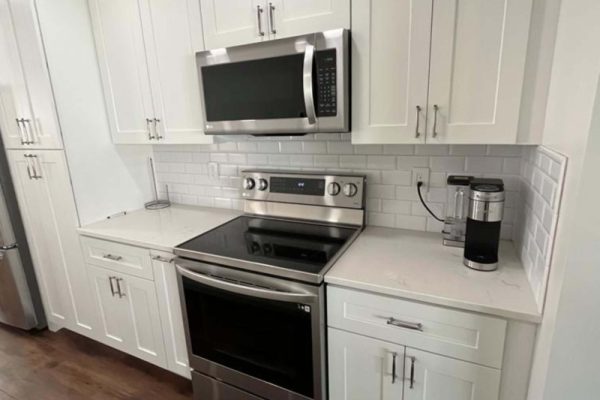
{"x":299,"y":246}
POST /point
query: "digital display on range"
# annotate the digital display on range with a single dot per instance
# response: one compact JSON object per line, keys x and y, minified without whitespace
{"x":311,"y":187}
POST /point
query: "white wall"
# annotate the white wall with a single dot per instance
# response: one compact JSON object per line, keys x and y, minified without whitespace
{"x":106,"y":178}
{"x":575,"y":72}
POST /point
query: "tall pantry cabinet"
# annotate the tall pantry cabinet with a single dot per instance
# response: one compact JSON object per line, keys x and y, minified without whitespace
{"x":31,"y":135}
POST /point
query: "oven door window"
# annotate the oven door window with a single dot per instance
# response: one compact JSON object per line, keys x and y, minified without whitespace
{"x":268,"y":88}
{"x":266,"y":339}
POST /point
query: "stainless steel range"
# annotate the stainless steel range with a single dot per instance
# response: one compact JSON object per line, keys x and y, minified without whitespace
{"x":252,"y":289}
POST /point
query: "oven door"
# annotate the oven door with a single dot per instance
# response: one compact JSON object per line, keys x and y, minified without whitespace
{"x":277,"y":87}
{"x":261,"y":334}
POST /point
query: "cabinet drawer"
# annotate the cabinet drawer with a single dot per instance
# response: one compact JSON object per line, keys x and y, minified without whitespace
{"x":118,"y":257}
{"x":462,"y":335}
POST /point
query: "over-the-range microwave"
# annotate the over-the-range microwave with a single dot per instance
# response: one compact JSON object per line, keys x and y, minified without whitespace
{"x":294,"y":85}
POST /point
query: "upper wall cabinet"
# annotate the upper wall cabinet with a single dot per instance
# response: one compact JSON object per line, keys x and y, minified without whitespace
{"x":234,"y":22}
{"x":27,"y":111}
{"x":453,"y":73}
{"x":146,"y":51}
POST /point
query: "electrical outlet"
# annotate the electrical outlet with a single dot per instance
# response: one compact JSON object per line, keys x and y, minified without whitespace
{"x":421,"y":175}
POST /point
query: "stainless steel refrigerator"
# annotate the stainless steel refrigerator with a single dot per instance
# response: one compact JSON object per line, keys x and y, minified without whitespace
{"x":20,"y":302}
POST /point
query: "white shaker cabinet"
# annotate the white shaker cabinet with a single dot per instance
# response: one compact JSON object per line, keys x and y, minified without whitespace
{"x":235,"y":22}
{"x":146,"y":52}
{"x":390,"y":62}
{"x":27,"y":111}
{"x":429,"y":376}
{"x":362,"y":368}
{"x":478,"y":53}
{"x":46,"y":202}
{"x":461,"y":62}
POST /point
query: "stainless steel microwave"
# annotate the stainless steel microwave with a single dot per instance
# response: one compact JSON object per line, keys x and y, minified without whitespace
{"x":287,"y":86}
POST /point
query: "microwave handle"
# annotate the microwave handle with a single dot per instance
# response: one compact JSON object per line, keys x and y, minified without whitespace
{"x":263,"y":293}
{"x":307,"y":78}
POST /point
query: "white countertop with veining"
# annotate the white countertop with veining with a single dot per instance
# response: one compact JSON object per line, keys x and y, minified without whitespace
{"x":414,"y":265}
{"x":159,"y":229}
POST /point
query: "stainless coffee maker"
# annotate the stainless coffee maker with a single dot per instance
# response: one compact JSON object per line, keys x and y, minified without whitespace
{"x":455,"y":223}
{"x":484,"y":219}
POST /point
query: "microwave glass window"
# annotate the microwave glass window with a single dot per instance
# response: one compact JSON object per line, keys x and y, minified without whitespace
{"x":268,"y":88}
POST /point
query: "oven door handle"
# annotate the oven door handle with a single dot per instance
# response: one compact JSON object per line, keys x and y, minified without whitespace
{"x":307,"y":79}
{"x":247,"y":290}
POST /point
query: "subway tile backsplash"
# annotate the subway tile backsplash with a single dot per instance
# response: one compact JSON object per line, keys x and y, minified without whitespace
{"x":391,"y":201}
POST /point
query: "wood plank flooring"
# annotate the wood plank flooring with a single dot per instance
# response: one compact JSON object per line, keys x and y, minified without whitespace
{"x":66,"y":366}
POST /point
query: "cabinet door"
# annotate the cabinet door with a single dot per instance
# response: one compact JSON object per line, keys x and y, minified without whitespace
{"x":173,"y":35}
{"x":113,"y":324}
{"x":124,"y":69}
{"x":478,"y":50}
{"x":44,"y":126}
{"x":292,"y":17}
{"x":143,"y":323}
{"x":233,"y":22}
{"x":169,"y":304}
{"x":389,"y":83}
{"x":362,"y":368}
{"x":46,"y":201}
{"x":429,"y":376}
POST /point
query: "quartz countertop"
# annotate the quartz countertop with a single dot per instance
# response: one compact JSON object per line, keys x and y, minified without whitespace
{"x":414,"y":265}
{"x":159,"y":229}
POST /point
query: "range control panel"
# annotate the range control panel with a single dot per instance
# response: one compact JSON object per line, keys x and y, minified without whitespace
{"x":346,"y":191}
{"x":326,"y":83}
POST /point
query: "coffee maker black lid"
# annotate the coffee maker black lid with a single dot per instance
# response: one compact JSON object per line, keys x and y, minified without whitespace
{"x":490,"y":185}
{"x":459,"y":180}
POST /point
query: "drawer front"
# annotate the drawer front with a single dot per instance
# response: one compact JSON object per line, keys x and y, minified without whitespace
{"x":463,"y":335}
{"x":118,"y":257}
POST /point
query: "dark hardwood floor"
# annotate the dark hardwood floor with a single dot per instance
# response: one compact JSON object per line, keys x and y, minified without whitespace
{"x":63,"y":365}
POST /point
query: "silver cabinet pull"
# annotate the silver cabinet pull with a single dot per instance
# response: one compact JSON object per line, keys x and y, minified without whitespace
{"x":394,"y":355}
{"x":112,"y":287}
{"x":148,"y":122}
{"x":119,"y":290}
{"x":259,"y":12}
{"x":29,"y":171}
{"x":31,"y":166}
{"x":435,"y":115}
{"x":112,"y":257}
{"x":271,"y":19}
{"x":403,"y":324}
{"x":21,"y":132}
{"x":163,"y":259}
{"x":28,"y":131}
{"x":37,"y":170}
{"x":412,"y":372}
{"x":157,"y":135}
{"x":417,"y":133}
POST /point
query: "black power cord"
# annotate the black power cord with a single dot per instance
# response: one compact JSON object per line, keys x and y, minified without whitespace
{"x":419,"y":184}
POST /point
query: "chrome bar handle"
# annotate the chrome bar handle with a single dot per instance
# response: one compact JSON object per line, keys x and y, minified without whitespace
{"x":112,"y":258}
{"x":112,"y":287}
{"x":36,"y":170}
{"x":416,"y":326}
{"x":435,"y":114}
{"x":394,"y":355}
{"x":163,"y":259}
{"x":157,"y":135}
{"x":21,"y":133}
{"x":417,"y":133}
{"x":148,"y":128}
{"x":119,"y":291}
{"x":307,"y":80}
{"x":412,"y":372}
{"x":271,"y":22}
{"x":29,"y":172}
{"x":259,"y":12}
{"x":28,"y":131}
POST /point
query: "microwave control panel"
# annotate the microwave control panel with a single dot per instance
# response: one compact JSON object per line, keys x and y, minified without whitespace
{"x":326,"y":83}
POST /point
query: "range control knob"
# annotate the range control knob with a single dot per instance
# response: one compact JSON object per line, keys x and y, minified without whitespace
{"x":248,"y":183}
{"x":262,"y":184}
{"x":350,"y":189}
{"x":333,"y":189}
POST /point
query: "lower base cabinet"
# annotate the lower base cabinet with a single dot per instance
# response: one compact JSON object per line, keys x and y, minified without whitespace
{"x":129,"y":314}
{"x":364,"y":368}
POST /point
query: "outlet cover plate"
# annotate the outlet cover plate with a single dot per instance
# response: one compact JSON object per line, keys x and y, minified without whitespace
{"x":421,"y":174}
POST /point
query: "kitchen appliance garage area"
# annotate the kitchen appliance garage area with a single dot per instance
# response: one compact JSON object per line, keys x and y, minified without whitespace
{"x":290,"y":200}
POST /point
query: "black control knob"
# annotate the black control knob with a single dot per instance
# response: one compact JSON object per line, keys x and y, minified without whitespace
{"x":350,"y":189}
{"x":263,"y":184}
{"x":333,"y":189}
{"x":248,"y":183}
